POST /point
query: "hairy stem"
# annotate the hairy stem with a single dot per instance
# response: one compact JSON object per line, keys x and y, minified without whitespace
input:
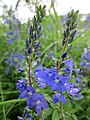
{"x":58,"y":64}
{"x":61,"y":111}
{"x":58,"y":67}
{"x":60,"y":60}
{"x":29,"y":68}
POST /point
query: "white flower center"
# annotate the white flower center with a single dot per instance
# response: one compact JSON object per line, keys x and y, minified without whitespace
{"x":38,"y":101}
{"x":56,"y":81}
{"x":30,"y":93}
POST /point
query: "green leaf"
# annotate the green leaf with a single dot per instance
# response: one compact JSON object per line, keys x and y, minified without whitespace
{"x":74,"y":110}
{"x":88,"y":111}
{"x":12,"y":101}
{"x":74,"y":117}
{"x":68,"y":116}
{"x":56,"y":115}
{"x":47,"y":112}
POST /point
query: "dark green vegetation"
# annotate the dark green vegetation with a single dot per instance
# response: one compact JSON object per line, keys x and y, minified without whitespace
{"x":10,"y":105}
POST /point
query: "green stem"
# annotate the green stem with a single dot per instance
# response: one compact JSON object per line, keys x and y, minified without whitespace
{"x":41,"y":116}
{"x":4,"y":114}
{"x":58,"y":67}
{"x":61,"y":111}
{"x":29,"y":68}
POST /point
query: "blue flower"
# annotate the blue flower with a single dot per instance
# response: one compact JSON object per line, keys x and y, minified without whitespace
{"x":58,"y":97}
{"x":69,"y":63}
{"x":52,"y":56}
{"x":71,"y":88}
{"x":88,"y":18}
{"x":84,"y":55}
{"x":20,"y":118}
{"x":14,"y":60}
{"x":86,"y":60}
{"x":27,"y":43}
{"x":7,"y":21}
{"x":20,"y":57}
{"x":31,"y":31}
{"x":41,"y":76}
{"x":30,"y":101}
{"x":39,"y":29}
{"x":35,"y":21}
{"x":77,"y":79}
{"x":15,"y":20}
{"x":10,"y":33}
{"x":44,"y":75}
{"x":30,"y":97}
{"x":28,"y":92}
{"x":40,"y":103}
{"x":58,"y":83}
{"x":64,"y":55}
{"x":9,"y":42}
{"x":83,"y":86}
{"x":79,"y":95}
{"x":74,"y":91}
{"x":30,"y":50}
{"x":67,"y":71}
{"x":21,"y":69}
{"x":35,"y":36}
{"x":7,"y":70}
{"x":37,"y":45}
{"x":22,"y":87}
{"x":70,"y":47}
{"x":83,"y":63}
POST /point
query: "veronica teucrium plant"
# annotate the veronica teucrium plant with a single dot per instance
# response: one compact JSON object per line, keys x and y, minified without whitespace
{"x":57,"y":79}
{"x":35,"y":101}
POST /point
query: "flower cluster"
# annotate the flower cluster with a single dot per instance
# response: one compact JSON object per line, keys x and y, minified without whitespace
{"x":13,"y":25}
{"x":85,"y":70}
{"x":14,"y":60}
{"x":70,"y":25}
{"x":57,"y":82}
{"x":88,"y":18}
{"x":80,"y":82}
{"x":86,"y":59}
{"x":33,"y":99}
{"x":58,"y":78}
{"x":32,"y":43}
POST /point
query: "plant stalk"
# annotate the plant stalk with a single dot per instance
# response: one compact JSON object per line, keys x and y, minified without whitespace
{"x":58,"y":67}
{"x":29,"y":70}
{"x":41,"y":116}
{"x":61,"y":111}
